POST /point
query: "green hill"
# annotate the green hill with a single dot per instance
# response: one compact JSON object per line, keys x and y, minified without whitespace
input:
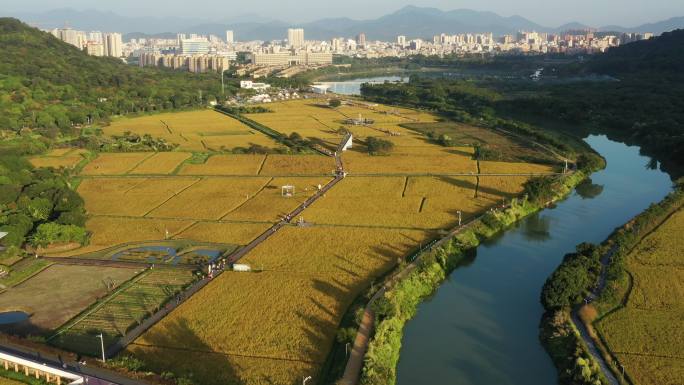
{"x":663,"y":55}
{"x":51,"y":86}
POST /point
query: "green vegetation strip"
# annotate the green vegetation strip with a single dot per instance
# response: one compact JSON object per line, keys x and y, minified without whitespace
{"x":396,"y":306}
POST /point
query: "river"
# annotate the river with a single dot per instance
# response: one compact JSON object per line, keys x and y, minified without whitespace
{"x":353,"y":87}
{"x":481,"y":326}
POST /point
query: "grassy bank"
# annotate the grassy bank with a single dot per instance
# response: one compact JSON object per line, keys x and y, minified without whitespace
{"x":399,"y":304}
{"x":575,"y":279}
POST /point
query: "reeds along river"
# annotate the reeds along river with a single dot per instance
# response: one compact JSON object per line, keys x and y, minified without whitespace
{"x":481,"y":326}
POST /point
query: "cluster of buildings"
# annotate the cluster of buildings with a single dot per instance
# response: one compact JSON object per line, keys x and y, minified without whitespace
{"x":96,"y":43}
{"x":294,"y":54}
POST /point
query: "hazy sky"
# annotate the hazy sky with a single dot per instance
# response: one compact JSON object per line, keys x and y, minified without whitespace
{"x":545,"y":12}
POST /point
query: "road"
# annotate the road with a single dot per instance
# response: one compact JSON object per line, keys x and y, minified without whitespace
{"x":582,"y":328}
{"x":92,"y":375}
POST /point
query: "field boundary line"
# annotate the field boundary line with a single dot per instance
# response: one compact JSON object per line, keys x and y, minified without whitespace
{"x":172,"y":196}
{"x":81,"y":316}
{"x":141,"y":162}
{"x":261,"y":166}
{"x":403,"y":193}
{"x":249,"y":199}
{"x":180,"y":219}
{"x":184,"y":229}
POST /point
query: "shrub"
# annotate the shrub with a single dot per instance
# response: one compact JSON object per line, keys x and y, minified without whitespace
{"x":48,"y":233}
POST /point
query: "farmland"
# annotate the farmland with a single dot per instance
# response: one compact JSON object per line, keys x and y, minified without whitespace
{"x":204,"y":130}
{"x":60,"y":292}
{"x":279,"y":323}
{"x":291,"y":338}
{"x":59,"y":158}
{"x":123,"y":309}
{"x":643,"y":334}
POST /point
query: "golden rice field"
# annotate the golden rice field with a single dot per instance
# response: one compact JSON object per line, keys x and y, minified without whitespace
{"x":228,"y":233}
{"x":161,"y":163}
{"x":115,"y":163}
{"x":488,"y":167}
{"x":318,"y":279}
{"x":433,"y":163}
{"x":210,"y":198}
{"x":108,"y":232}
{"x":645,"y":335}
{"x":203,"y":130}
{"x":130,"y":196}
{"x":59,"y":158}
{"x":269,"y":204}
{"x":226,"y":165}
{"x":278,"y":325}
{"x":278,"y":165}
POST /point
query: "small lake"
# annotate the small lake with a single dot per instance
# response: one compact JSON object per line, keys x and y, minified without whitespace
{"x":481,"y":326}
{"x":12,"y":317}
{"x":353,"y":87}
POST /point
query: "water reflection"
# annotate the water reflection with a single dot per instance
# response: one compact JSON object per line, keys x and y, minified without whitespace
{"x":588,"y":189}
{"x":536,"y":228}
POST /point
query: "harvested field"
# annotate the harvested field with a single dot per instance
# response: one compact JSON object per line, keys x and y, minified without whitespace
{"x":226,"y":165}
{"x":210,"y":198}
{"x":129,"y":196}
{"x":161,"y":163}
{"x":202,"y":130}
{"x":59,"y":292}
{"x":115,"y":163}
{"x":122,"y":310}
{"x":644,"y":334}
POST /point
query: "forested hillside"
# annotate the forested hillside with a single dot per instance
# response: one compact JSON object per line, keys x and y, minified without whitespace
{"x":51,"y":86}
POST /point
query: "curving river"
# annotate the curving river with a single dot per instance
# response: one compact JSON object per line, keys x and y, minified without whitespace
{"x":481,"y":326}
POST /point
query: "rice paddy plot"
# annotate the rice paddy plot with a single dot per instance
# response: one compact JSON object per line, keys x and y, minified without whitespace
{"x":161,"y":163}
{"x":107,"y":232}
{"x":115,"y":163}
{"x":420,"y":202}
{"x":280,"y":165}
{"x":129,"y":196}
{"x":359,"y":163}
{"x":271,"y":205}
{"x":226,"y":165}
{"x":211,"y":198}
{"x":203,"y":130}
{"x":644,"y":334}
{"x":229,"y":233}
{"x":59,"y":158}
{"x":123,"y":310}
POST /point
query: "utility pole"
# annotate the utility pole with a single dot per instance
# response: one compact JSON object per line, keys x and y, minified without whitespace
{"x":104,"y":359}
{"x":459,"y":218}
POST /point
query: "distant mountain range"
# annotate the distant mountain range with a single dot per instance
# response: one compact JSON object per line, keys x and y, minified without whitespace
{"x":414,"y":22}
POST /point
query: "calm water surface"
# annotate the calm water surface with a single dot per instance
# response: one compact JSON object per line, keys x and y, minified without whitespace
{"x":481,"y":326}
{"x":353,"y":87}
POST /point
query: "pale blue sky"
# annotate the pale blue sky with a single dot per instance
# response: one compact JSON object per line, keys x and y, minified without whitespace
{"x":545,"y":12}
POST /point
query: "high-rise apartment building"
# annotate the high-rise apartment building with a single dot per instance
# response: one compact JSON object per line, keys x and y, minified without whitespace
{"x":230,"y":38}
{"x":295,"y":37}
{"x":361,"y":40}
{"x":401,"y":41}
{"x":113,"y":46}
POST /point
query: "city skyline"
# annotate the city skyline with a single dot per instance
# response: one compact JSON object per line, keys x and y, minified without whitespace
{"x":613,"y":12}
